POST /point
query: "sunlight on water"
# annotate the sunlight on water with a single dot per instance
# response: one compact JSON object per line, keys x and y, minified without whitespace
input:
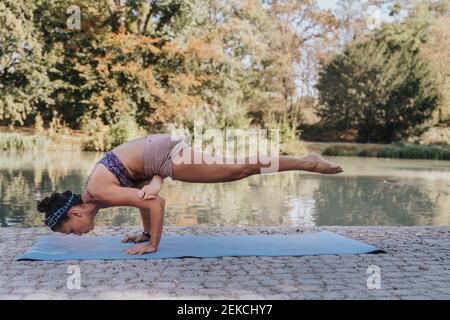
{"x":371,"y":191}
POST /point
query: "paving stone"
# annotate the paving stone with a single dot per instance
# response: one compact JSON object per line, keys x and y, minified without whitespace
{"x":414,"y":267}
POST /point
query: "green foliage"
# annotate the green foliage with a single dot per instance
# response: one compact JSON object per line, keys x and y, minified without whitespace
{"x":436,"y":52}
{"x":434,"y":135}
{"x":122,"y":131}
{"x":379,"y":86}
{"x":168,"y":63}
{"x":156,"y":61}
{"x":39,"y":124}
{"x":411,"y":151}
{"x":96,"y":143}
{"x":395,"y":150}
{"x":106,"y":138}
{"x":13,"y":142}
{"x":352,"y":150}
{"x":24,"y":82}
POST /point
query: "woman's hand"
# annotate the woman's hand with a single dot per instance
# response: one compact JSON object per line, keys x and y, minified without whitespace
{"x":149,"y":191}
{"x":140,"y":249}
{"x":135,"y":238}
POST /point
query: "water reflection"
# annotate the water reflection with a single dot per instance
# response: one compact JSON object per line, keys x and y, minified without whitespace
{"x":373,"y":201}
{"x":370,"y":192}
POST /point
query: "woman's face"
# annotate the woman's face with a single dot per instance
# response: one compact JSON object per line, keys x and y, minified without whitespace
{"x":80,"y":219}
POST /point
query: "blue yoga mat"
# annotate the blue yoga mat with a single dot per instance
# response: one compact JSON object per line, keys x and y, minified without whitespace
{"x":110,"y":247}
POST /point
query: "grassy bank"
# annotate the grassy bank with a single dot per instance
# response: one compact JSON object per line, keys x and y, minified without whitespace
{"x":25,"y":139}
{"x":18,"y":142}
{"x":30,"y":139}
{"x":396,"y":150}
{"x":103,"y":138}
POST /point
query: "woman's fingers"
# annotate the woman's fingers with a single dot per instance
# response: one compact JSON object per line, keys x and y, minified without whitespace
{"x":145,"y":195}
{"x":131,"y":251}
{"x":138,"y":249}
{"x":128,"y":238}
{"x":139,"y":239}
{"x":134,"y":238}
{"x":128,"y":251}
{"x":149,"y":196}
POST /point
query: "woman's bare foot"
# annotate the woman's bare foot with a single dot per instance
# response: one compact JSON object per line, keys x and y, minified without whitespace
{"x":315,"y":163}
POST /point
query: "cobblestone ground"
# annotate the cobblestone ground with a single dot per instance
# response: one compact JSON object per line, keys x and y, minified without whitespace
{"x":415,"y":267}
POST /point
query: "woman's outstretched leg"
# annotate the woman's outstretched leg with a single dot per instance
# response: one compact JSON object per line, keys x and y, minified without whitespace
{"x":225,"y":171}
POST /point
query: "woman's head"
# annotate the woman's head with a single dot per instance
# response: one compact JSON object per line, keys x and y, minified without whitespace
{"x":67,"y":213}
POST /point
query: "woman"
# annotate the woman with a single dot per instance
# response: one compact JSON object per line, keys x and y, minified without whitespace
{"x":132,"y":174}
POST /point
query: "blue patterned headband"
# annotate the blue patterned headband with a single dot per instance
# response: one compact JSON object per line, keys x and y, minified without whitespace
{"x":54,"y":217}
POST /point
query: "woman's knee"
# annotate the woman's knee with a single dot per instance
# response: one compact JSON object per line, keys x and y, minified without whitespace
{"x":160,"y":200}
{"x":157,"y":203}
{"x":241,"y":171}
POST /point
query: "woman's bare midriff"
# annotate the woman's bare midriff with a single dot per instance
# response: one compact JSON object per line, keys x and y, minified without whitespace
{"x":131,"y":154}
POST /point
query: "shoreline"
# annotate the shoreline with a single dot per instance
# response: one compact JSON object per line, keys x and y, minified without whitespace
{"x":77,"y":139}
{"x":416,"y":266}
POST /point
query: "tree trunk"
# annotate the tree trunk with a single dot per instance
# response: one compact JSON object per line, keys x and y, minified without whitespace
{"x":117,"y":14}
{"x":143,"y":18}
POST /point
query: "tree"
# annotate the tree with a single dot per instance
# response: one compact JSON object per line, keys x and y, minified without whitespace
{"x":128,"y":58}
{"x":272,"y":41}
{"x":24,"y":83}
{"x":379,"y":85}
{"x":436,"y":52}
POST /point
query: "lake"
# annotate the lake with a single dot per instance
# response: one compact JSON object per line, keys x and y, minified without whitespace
{"x":371,"y":191}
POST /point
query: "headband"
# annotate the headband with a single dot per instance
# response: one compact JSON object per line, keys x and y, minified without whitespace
{"x":54,"y":217}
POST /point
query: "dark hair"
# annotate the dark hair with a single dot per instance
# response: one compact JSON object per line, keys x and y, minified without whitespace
{"x":53,"y":203}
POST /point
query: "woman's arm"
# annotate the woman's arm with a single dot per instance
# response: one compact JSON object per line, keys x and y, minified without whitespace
{"x":146,"y":224}
{"x":156,"y":228}
{"x":155,"y":182}
{"x":157,"y":222}
{"x":123,"y":196}
{"x":86,"y":197}
{"x":152,"y":189}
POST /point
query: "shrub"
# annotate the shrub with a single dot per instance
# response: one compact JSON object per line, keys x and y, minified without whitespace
{"x":411,"y":151}
{"x":436,"y":136}
{"x":107,"y":138}
{"x":395,"y":150}
{"x":18,"y":142}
